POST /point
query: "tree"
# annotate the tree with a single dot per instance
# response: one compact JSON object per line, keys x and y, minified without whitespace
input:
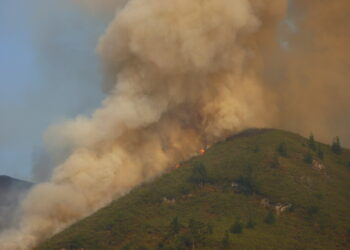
{"x":247,"y":183}
{"x":226,"y":243}
{"x":175,"y":226}
{"x":336,"y":147}
{"x":282,"y":149}
{"x":308,"y":158}
{"x":237,"y":227}
{"x":270,"y":218}
{"x":199,"y":174}
{"x":320,"y":153}
{"x":312,"y":143}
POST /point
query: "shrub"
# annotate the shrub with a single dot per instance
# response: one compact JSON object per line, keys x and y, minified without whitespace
{"x":185,"y":242}
{"x":210,"y":228}
{"x":308,"y":158}
{"x":226,"y":243}
{"x":348,"y":235}
{"x":319,"y":196}
{"x":250,"y":223}
{"x":312,"y":211}
{"x":175,"y":226}
{"x":282,"y":150}
{"x":76,"y":243}
{"x":237,"y":227}
{"x":275,"y":163}
{"x":185,"y":189}
{"x":270,"y":218}
{"x":320,"y":153}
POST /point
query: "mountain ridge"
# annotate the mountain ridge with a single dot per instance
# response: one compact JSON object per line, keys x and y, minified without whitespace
{"x":11,"y":191}
{"x":260,"y":189}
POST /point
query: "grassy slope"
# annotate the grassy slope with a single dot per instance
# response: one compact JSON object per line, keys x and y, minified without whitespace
{"x":319,"y":218}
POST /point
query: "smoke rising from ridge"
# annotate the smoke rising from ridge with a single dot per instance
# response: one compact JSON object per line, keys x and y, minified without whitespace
{"x":180,"y":75}
{"x":316,"y":87}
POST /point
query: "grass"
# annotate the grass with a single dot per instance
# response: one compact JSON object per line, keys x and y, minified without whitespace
{"x":317,"y":219}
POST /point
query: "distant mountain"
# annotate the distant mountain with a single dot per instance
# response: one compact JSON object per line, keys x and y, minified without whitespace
{"x":261,"y":189}
{"x":11,"y":191}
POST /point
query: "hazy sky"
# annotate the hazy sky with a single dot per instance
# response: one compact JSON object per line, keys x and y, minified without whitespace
{"x":48,"y":72}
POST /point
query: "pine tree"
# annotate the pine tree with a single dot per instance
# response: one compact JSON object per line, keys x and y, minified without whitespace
{"x":320,"y":153}
{"x":336,"y":147}
{"x":199,"y":174}
{"x":282,"y":150}
{"x":312,"y":143}
{"x":247,"y":182}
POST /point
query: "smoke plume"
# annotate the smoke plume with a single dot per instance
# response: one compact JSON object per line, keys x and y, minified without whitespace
{"x":183,"y":74}
{"x":315,"y":90}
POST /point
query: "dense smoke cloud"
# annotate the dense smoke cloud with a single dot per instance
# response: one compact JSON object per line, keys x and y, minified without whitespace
{"x":316,"y":85}
{"x":180,"y":75}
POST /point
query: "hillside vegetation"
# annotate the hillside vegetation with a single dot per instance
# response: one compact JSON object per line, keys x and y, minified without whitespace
{"x":261,"y":189}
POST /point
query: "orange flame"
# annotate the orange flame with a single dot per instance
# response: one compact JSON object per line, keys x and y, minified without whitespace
{"x":202,"y":151}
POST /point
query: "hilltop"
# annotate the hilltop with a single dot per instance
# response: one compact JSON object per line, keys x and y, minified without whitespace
{"x":260,"y":189}
{"x":11,"y":190}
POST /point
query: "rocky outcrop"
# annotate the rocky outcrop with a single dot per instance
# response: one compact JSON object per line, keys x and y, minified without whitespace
{"x":317,"y":165}
{"x":278,"y":207}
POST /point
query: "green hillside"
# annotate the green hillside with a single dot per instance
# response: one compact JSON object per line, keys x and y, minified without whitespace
{"x":261,"y":189}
